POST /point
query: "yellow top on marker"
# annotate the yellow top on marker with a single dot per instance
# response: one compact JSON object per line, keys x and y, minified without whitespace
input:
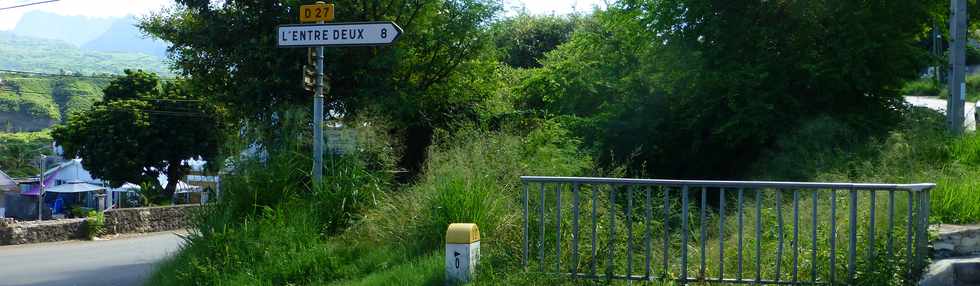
{"x":462,"y":233}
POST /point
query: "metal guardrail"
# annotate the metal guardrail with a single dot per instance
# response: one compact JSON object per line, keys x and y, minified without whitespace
{"x":557,"y":240}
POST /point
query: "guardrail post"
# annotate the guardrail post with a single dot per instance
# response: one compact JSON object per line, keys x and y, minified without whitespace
{"x":921,"y":233}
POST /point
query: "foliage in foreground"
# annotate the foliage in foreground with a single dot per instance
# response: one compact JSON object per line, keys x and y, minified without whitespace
{"x":94,"y":224}
{"x":272,"y":229}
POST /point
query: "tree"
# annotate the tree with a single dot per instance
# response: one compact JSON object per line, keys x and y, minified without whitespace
{"x":229,"y":50}
{"x":524,"y":39}
{"x":142,"y":130}
{"x":697,"y":89}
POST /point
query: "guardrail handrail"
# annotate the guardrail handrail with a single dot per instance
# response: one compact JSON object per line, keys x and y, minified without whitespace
{"x":730,"y":184}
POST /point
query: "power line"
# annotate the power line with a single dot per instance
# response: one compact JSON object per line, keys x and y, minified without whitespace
{"x":111,"y":76}
{"x":58,"y":75}
{"x":174,"y":113}
{"x":28,"y":4}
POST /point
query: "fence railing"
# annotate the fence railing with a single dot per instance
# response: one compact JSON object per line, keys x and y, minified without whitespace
{"x":737,"y":232}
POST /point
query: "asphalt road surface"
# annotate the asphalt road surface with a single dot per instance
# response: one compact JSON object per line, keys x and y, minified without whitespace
{"x":119,"y":261}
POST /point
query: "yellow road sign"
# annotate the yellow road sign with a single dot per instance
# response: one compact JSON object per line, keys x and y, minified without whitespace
{"x":316,"y":13}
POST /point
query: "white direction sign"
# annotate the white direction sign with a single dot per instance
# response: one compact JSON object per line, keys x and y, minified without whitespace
{"x":338,"y":34}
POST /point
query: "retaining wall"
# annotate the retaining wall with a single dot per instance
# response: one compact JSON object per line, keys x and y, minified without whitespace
{"x":151,"y":219}
{"x":118,"y":221}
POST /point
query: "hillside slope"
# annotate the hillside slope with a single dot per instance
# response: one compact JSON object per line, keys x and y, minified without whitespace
{"x":52,"y":56}
{"x":30,"y":103}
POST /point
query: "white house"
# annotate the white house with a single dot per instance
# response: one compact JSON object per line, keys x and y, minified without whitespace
{"x":7,"y":184}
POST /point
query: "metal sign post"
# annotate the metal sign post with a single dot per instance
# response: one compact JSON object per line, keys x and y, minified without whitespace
{"x":322,"y":35}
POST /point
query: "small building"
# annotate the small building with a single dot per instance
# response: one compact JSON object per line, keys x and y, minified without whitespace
{"x":7,"y":184}
{"x":23,"y":204}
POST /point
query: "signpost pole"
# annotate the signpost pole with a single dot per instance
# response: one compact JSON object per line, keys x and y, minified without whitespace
{"x":322,"y":35}
{"x":318,"y":119}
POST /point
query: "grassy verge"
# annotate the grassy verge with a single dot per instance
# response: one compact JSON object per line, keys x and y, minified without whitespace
{"x":266,"y":233}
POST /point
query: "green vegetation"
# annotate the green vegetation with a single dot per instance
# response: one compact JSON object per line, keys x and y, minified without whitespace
{"x":28,"y":95}
{"x":274,"y":229}
{"x":143,"y":129}
{"x":31,"y":103}
{"x":95,"y":224}
{"x":20,"y":152}
{"x":919,"y":150}
{"x":781,"y":90}
{"x":52,"y":56}
{"x":924,"y":87}
{"x":523,"y":40}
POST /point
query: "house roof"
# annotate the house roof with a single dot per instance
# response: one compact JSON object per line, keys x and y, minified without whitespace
{"x":62,"y":166}
{"x":74,"y":188}
{"x":6,"y":183}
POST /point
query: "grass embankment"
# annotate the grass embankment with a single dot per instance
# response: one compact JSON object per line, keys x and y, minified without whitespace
{"x":930,"y":87}
{"x":918,"y":150}
{"x":268,"y":233}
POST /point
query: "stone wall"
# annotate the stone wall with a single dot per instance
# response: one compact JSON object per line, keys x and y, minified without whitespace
{"x":151,"y":219}
{"x":136,"y":220}
{"x":44,"y":231}
{"x":957,"y":241}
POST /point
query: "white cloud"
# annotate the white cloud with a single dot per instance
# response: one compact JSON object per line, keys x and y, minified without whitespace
{"x":90,"y":8}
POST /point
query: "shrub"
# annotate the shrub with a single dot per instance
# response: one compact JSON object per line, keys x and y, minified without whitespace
{"x":923,"y":87}
{"x":95,"y":224}
{"x":473,"y":176}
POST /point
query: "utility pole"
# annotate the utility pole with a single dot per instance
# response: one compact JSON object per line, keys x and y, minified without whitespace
{"x":937,"y":47}
{"x":957,"y":64}
{"x":40,"y":192}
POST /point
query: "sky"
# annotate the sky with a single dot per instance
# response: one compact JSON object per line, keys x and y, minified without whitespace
{"x":118,"y":8}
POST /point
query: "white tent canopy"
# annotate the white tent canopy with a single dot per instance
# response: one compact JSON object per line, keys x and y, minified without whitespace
{"x":74,"y":188}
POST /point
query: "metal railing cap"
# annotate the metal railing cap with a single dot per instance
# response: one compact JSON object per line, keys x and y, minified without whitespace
{"x":730,"y":184}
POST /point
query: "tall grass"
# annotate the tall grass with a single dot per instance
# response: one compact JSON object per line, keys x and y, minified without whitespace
{"x":918,"y":151}
{"x":273,"y":227}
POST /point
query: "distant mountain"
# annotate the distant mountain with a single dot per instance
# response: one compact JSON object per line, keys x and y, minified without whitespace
{"x":118,"y":34}
{"x":125,"y":36}
{"x":76,"y":30}
{"x":52,"y":56}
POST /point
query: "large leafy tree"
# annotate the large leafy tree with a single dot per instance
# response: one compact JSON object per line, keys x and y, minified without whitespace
{"x":523,"y":40}
{"x":229,"y":50}
{"x":695,"y":88}
{"x":142,"y":129}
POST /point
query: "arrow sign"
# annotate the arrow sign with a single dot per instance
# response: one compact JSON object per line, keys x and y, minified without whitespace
{"x":338,"y":34}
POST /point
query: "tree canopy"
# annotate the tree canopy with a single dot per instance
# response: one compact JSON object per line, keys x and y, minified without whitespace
{"x":685,"y":88}
{"x":143,"y":129}
{"x":524,"y":39}
{"x":229,"y":50}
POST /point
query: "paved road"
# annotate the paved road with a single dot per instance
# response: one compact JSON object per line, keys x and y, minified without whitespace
{"x":120,"y":261}
{"x":940,"y":105}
